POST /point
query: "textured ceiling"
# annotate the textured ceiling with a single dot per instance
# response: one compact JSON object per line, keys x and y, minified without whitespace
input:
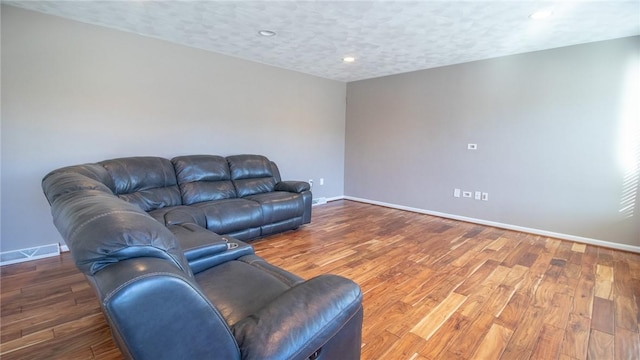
{"x":385,"y":37}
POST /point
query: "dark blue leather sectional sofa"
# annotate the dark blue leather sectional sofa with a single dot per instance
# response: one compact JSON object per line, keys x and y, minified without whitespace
{"x":161,"y":243}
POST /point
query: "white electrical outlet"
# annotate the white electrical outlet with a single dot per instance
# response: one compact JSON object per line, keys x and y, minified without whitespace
{"x":466,"y":194}
{"x":456,"y":192}
{"x":477,"y":195}
{"x":321,"y":181}
{"x":311,"y":182}
{"x":485,"y":196}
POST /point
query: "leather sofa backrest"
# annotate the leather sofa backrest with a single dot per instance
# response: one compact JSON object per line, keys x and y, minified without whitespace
{"x":148,"y":182}
{"x":251,"y":174}
{"x":75,"y":178}
{"x":102,"y":229}
{"x":275,"y":171}
{"x":203,"y":178}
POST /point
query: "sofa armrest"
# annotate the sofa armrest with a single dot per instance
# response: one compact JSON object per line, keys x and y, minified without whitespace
{"x":283,"y":275}
{"x":204,"y":249}
{"x":293,"y":186}
{"x":299,"y":322}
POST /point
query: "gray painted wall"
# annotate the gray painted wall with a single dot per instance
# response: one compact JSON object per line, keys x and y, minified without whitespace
{"x":550,"y":126}
{"x":75,"y":93}
{"x":558,"y":135}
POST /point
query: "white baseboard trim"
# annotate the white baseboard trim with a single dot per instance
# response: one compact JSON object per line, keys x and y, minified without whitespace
{"x":579,"y":239}
{"x":44,"y":251}
{"x":22,"y":255}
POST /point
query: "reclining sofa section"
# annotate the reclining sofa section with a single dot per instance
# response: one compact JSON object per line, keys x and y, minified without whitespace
{"x":159,"y":242}
{"x":241,"y":196}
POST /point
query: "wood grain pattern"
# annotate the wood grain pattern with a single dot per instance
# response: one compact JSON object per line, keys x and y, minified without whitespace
{"x":603,"y":315}
{"x":601,"y":345}
{"x":626,"y":344}
{"x":433,"y":289}
{"x":548,"y":344}
{"x":494,"y":343}
{"x":604,"y":282}
{"x":576,"y":337}
{"x":436,"y":317}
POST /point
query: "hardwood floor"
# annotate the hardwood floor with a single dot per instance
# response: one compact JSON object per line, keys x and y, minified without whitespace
{"x":433,"y":289}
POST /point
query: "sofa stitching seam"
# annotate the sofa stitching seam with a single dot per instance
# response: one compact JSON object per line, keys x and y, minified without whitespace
{"x":75,"y":232}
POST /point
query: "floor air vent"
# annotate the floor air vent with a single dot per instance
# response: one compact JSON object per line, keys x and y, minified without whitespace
{"x":16,"y":256}
{"x":319,"y":201}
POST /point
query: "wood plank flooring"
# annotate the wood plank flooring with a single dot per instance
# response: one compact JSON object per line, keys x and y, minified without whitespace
{"x":433,"y":289}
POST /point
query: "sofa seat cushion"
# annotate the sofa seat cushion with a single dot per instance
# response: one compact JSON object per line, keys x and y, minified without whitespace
{"x":231,"y":215}
{"x":279,"y":205}
{"x":241,"y":287}
{"x":176,"y":215}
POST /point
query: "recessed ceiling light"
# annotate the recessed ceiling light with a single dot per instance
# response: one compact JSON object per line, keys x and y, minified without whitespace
{"x":267,"y":33}
{"x":543,"y":14}
{"x":348,"y":59}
